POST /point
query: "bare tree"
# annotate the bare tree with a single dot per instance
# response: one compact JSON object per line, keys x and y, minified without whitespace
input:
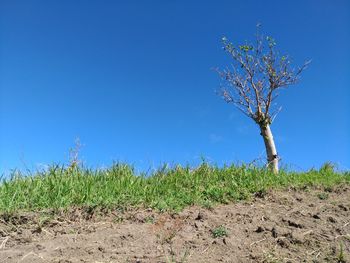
{"x":258,"y":72}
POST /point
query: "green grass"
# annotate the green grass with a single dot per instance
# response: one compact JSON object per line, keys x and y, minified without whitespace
{"x":165,"y":189}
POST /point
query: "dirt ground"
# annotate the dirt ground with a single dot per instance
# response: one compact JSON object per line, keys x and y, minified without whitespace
{"x":280,"y":226}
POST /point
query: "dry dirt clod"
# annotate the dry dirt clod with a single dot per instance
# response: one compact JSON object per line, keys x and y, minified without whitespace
{"x":343,"y":207}
{"x":282,"y":242}
{"x":200,"y":216}
{"x":299,"y":199}
{"x":331,"y":219}
{"x":260,"y":229}
{"x":297,"y":238}
{"x":293,"y":223}
{"x":316,"y":216}
{"x":40,"y":247}
{"x":274,"y":232}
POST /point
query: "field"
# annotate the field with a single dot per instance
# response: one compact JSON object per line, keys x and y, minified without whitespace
{"x":178,"y":214}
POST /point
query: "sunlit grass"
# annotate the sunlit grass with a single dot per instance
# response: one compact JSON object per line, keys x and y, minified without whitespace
{"x":166,"y":189}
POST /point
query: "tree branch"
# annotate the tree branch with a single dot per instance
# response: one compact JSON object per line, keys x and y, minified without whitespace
{"x":258,"y":72}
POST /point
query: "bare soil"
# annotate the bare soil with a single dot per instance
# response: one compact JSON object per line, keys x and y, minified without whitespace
{"x":278,"y":226}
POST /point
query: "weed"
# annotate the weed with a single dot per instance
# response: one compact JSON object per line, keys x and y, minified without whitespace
{"x":341,"y":255}
{"x":169,"y":237}
{"x":328,"y":167}
{"x":270,"y":257}
{"x":149,"y":219}
{"x":322,"y":196}
{"x":118,"y":219}
{"x":219,"y":231}
{"x":173,"y":257}
{"x":44,"y":219}
{"x":74,"y":160}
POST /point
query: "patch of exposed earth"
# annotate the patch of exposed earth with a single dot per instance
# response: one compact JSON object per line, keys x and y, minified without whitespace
{"x":280,"y":226}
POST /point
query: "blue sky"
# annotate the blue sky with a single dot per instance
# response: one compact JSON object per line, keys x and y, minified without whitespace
{"x":134,"y":81}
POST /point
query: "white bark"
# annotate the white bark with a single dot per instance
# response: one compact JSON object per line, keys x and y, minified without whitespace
{"x":271,"y":152}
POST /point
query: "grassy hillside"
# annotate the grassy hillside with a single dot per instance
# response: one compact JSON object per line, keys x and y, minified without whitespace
{"x":165,"y":189}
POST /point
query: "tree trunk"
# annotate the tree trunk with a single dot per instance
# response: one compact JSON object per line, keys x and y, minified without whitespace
{"x":271,"y":152}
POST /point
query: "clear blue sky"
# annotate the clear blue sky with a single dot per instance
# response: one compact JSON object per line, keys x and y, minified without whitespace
{"x":134,"y":81}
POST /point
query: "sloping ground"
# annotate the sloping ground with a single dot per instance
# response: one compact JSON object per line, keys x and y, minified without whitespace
{"x":312,"y":225}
